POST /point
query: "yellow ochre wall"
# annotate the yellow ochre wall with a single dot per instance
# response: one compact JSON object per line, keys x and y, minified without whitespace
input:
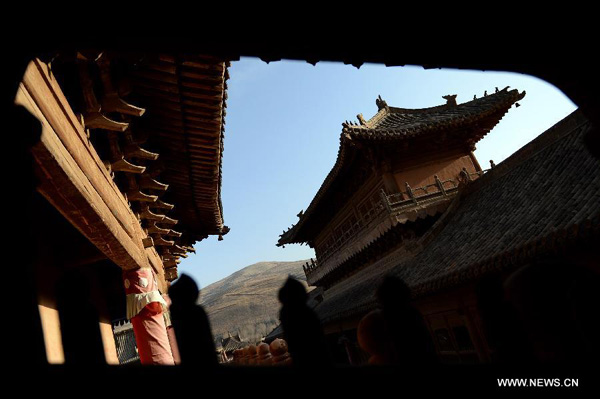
{"x":422,"y":175}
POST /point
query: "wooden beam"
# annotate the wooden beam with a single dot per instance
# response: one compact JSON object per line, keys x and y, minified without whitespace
{"x":147,"y":214}
{"x":46,"y":101}
{"x":154,"y":229}
{"x":111,"y":101}
{"x":74,"y":179}
{"x":148,"y":242}
{"x":67,"y":188}
{"x":162,"y":205}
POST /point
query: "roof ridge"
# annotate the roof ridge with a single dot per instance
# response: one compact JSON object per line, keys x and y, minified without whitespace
{"x":375,"y":118}
{"x":385,"y":110}
{"x":549,"y":137}
{"x":566,"y":127}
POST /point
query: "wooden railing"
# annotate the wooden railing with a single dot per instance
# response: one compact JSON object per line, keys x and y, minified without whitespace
{"x":309,"y":267}
{"x":126,"y":346}
{"x":395,"y":204}
{"x":420,"y":196}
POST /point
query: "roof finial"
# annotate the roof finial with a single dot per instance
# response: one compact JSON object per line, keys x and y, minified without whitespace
{"x":492,"y":164}
{"x":475,"y":97}
{"x":361,"y":119}
{"x":380,"y":102}
{"x":485,"y":93}
{"x":450,"y":99}
{"x":496,"y":90}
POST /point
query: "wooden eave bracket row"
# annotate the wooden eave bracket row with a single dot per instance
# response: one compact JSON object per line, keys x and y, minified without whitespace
{"x":77,"y":182}
{"x":123,"y":148}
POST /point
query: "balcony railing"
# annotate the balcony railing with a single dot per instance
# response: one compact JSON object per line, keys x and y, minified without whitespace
{"x":424,"y":195}
{"x":393,"y":205}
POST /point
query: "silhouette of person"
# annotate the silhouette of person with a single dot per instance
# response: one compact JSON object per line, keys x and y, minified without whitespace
{"x":191,"y":325}
{"x":411,"y":342}
{"x":375,"y":339}
{"x":301,"y":327}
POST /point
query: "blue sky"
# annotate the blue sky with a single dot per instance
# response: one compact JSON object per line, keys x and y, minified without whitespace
{"x":282,"y":134}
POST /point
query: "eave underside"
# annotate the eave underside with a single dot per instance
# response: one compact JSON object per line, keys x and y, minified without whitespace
{"x":185,"y":98}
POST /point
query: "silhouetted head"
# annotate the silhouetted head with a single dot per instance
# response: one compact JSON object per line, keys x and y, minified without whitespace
{"x":292,"y":292}
{"x":372,"y":333}
{"x":393,"y":291}
{"x":184,"y":291}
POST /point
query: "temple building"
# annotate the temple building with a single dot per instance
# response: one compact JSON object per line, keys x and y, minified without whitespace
{"x":230,"y":344}
{"x":127,"y":178}
{"x":407,"y":197}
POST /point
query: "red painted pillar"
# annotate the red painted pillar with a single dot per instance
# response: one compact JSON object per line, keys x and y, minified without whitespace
{"x":145,"y":307}
{"x":171,"y":332}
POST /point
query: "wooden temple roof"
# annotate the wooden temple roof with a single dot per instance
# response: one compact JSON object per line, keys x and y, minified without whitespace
{"x":466,"y":123}
{"x":140,"y":137}
{"x":537,"y":203}
{"x":185,"y":100}
{"x":392,"y":123}
{"x":230,"y":344}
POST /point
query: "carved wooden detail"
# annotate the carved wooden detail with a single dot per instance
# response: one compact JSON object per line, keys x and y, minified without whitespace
{"x":134,"y":169}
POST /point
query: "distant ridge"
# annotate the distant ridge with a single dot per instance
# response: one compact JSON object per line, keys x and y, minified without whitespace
{"x":246,"y":301}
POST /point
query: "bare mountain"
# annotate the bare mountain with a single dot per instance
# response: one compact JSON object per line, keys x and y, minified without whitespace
{"x":246,"y":301}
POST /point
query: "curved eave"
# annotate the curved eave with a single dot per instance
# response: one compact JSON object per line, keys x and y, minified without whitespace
{"x":185,"y":98}
{"x":471,"y":112}
{"x":290,"y":236}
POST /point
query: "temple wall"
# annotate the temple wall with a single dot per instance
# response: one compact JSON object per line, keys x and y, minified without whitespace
{"x":451,"y":315}
{"x":446,"y":166}
{"x":372,"y":185}
{"x":454,"y":315}
{"x":422,"y":175}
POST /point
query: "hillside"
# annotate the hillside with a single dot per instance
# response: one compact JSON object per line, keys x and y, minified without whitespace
{"x":246,"y":301}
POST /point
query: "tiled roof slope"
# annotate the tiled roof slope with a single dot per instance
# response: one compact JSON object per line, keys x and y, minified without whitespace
{"x":230,"y":344}
{"x":471,"y":120}
{"x":543,"y":198}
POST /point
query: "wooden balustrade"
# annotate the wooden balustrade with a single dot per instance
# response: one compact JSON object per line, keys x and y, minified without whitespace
{"x":393,"y":204}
